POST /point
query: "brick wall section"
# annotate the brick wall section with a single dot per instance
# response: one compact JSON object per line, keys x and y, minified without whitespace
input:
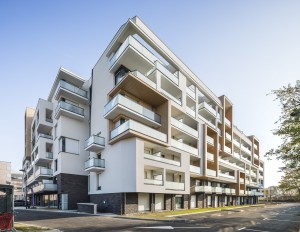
{"x":186,"y":201}
{"x":131,"y":203}
{"x":118,"y":203}
{"x":87,"y":208}
{"x":108,"y":203}
{"x":168,"y":202}
{"x":200,"y":200}
{"x":75,"y":186}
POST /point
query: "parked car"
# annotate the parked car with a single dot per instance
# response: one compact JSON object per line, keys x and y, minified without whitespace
{"x":19,"y":203}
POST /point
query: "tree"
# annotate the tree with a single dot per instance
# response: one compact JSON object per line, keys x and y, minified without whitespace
{"x":291,"y":181}
{"x":289,"y":127}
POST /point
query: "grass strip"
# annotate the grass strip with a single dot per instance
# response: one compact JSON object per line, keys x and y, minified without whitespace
{"x":29,"y":228}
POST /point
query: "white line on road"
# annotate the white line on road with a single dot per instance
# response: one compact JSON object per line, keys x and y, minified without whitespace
{"x":171,"y":228}
{"x":244,"y":228}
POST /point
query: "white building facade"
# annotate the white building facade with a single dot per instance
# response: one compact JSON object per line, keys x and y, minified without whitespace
{"x":144,"y":134}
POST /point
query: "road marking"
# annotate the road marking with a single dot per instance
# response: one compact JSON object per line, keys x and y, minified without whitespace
{"x":245,"y":228}
{"x":171,"y":228}
{"x":280,"y":220}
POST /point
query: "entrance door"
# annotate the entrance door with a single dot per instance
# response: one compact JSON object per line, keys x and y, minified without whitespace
{"x":178,"y":202}
{"x":193,"y":201}
{"x":64,"y":201}
{"x":216,"y":201}
{"x":209,"y":201}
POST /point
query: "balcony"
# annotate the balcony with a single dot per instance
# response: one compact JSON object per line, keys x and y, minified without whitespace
{"x":242,"y":192}
{"x":195,"y":169}
{"x":121,"y":105}
{"x":43,"y":172}
{"x":253,"y":174}
{"x":174,"y":99}
{"x":228,"y":136}
{"x":210,"y":140}
{"x":191,"y":93}
{"x":210,"y":172}
{"x":227,"y":122}
{"x":184,"y":147}
{"x":209,"y":156}
{"x":242,"y":180}
{"x":183,"y":127}
{"x":45,"y":187}
{"x":161,"y":159}
{"x":69,"y":110}
{"x":227,"y":149}
{"x":245,"y":159}
{"x":232,"y":191}
{"x":145,"y":79}
{"x":94,"y":165}
{"x":166,"y":73}
{"x":153,"y":182}
{"x":236,"y":155}
{"x":30,"y":179}
{"x":94,"y":143}
{"x":204,"y":189}
{"x":226,"y":191}
{"x":43,"y":158}
{"x":255,"y":146}
{"x":174,"y":185}
{"x":236,"y":143}
{"x":230,"y":165}
{"x":133,"y":55}
{"x":245,"y":149}
{"x":70,"y":91}
{"x":134,"y":126}
{"x":217,"y":190}
{"x":205,"y":108}
{"x":190,"y":111}
{"x":255,"y":156}
{"x":261,"y":168}
{"x":226,"y":176}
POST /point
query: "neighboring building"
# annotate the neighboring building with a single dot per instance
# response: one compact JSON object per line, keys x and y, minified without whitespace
{"x":9,"y":177}
{"x":156,"y":136}
{"x":5,"y":172}
{"x":16,"y":181}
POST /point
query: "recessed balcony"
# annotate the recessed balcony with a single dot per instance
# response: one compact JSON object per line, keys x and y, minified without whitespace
{"x":158,"y":158}
{"x":255,"y":146}
{"x":190,"y":111}
{"x":255,"y":156}
{"x":94,"y":143}
{"x":207,"y":110}
{"x":226,"y":191}
{"x":236,"y":143}
{"x":261,"y":168}
{"x":69,"y":110}
{"x":227,"y":149}
{"x":137,"y":129}
{"x":65,"y":89}
{"x":163,"y":70}
{"x":203,"y":189}
{"x":230,"y":165}
{"x":174,"y":185}
{"x":246,"y":149}
{"x":153,"y":182}
{"x":195,"y":169}
{"x":184,"y":147}
{"x":121,"y":105}
{"x":183,"y":127}
{"x":133,"y":55}
{"x":94,"y":165}
{"x":191,"y":92}
{"x":209,"y":156}
{"x":217,"y":190}
{"x":228,"y":136}
{"x":242,"y":192}
{"x":210,"y":172}
{"x":210,"y":140}
{"x":246,"y":159}
{"x":232,"y":191}
{"x":227,"y":122}
{"x":224,"y":175}
{"x":242,"y":180}
{"x":45,"y":187}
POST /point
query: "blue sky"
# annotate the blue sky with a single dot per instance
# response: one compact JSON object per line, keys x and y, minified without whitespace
{"x":242,"y":49}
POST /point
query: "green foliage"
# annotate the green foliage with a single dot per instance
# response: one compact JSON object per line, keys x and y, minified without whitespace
{"x":291,"y":180}
{"x":289,"y":127}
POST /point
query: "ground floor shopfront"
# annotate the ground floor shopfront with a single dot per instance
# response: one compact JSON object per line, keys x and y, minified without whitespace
{"x":127,"y":203}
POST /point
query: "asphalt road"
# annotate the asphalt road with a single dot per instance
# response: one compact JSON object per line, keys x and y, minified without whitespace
{"x":282,"y":218}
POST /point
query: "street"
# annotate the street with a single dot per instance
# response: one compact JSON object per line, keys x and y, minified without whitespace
{"x":282,"y":217}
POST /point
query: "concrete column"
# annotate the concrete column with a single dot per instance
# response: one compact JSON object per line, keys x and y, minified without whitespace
{"x":186,"y":201}
{"x":152,"y":202}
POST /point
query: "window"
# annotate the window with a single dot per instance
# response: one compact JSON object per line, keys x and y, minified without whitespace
{"x":55,"y":131}
{"x":69,"y":145}
{"x":55,"y":165}
{"x":120,"y":73}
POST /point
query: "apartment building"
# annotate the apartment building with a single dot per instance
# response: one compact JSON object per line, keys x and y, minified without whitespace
{"x":55,"y":132}
{"x":144,"y":134}
{"x":5,"y":172}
